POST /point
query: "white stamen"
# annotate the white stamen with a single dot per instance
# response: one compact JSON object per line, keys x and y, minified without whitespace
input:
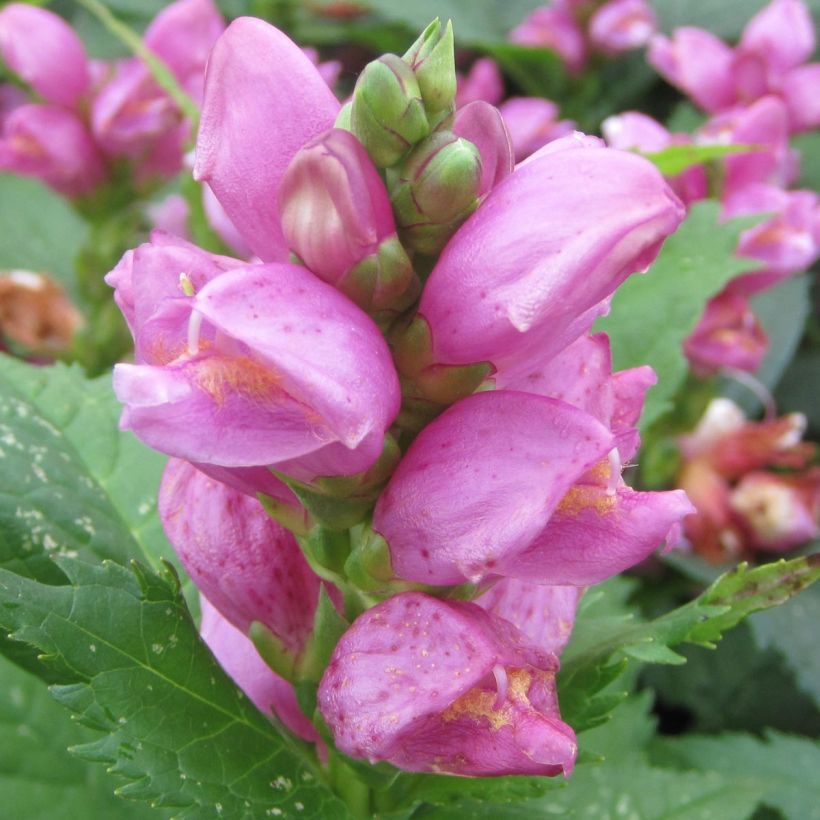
{"x":194,"y":328}
{"x":500,"y":674}
{"x":614,"y":459}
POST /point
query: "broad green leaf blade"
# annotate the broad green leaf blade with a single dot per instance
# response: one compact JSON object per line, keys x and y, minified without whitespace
{"x":791,"y":630}
{"x":597,"y":642}
{"x":71,"y":483}
{"x":38,"y":777}
{"x":473,"y":22}
{"x":677,"y":158}
{"x":131,"y":664}
{"x":653,"y":313}
{"x":625,"y":790}
{"x":39,"y":230}
{"x":783,"y":767}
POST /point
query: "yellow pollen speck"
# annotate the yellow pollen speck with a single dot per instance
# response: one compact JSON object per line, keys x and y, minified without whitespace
{"x":518,"y":684}
{"x":223,"y":375}
{"x":581,"y":497}
{"x":477,"y":704}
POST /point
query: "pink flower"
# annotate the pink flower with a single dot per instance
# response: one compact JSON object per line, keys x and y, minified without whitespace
{"x":777,"y":512}
{"x":727,"y":335}
{"x":248,"y":566}
{"x":486,"y":455}
{"x":769,"y":60}
{"x":53,"y":145}
{"x":787,"y":243}
{"x":482,"y":82}
{"x":336,"y":216}
{"x":621,"y":25}
{"x":131,"y":115}
{"x":264,"y":100}
{"x":250,"y":365}
{"x":43,"y":50}
{"x":698,"y":63}
{"x":742,"y":505}
{"x":531,"y":269}
{"x":239,"y":658}
{"x":429,"y":685}
{"x":554,"y":27}
{"x":781,"y":34}
{"x":533,"y":122}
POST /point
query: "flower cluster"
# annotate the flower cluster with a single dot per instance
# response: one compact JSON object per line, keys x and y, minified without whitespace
{"x":753,"y":484}
{"x":578,"y":29}
{"x":398,"y":411}
{"x":755,"y":94}
{"x":68,"y":120}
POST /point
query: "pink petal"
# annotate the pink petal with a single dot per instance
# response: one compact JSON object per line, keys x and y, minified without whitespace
{"x":548,"y":245}
{"x":263,"y":101}
{"x":595,"y":534}
{"x":415,"y":681}
{"x":698,"y":63}
{"x":544,"y":613}
{"x":182,"y":35}
{"x":248,"y":566}
{"x":44,"y":51}
{"x":484,"y":126}
{"x":486,"y":455}
{"x":53,"y":145}
{"x":782,"y":33}
{"x":799,"y":90}
{"x":483,"y":82}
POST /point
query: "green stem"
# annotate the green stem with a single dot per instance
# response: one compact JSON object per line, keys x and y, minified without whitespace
{"x":161,"y":73}
{"x":349,"y":787}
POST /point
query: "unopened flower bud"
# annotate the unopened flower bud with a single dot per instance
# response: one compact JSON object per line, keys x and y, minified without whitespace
{"x":433,"y":62}
{"x":336,"y":217}
{"x":437,"y":189}
{"x":388,"y":113}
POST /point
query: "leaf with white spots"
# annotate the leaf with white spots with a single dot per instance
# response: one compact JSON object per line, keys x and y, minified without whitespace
{"x":70,"y":481}
{"x":127,"y":659}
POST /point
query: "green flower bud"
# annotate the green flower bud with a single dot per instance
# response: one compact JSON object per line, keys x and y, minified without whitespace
{"x":433,"y":62}
{"x":344,"y":116}
{"x":388,"y":113}
{"x":435,"y":189}
{"x":383,"y":281}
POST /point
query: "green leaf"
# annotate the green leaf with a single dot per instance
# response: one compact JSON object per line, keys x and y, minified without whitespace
{"x":71,"y":481}
{"x":625,"y":790}
{"x":653,"y":313}
{"x":791,"y":630}
{"x":131,"y":665}
{"x":587,"y":663}
{"x":808,"y":145}
{"x":677,"y":158}
{"x":39,"y":230}
{"x":784,"y":768}
{"x":38,"y":777}
{"x":725,"y":19}
{"x":712,"y":691}
{"x":473,"y":22}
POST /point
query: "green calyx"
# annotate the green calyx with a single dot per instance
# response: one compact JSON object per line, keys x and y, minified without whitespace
{"x":432,"y":59}
{"x":387,"y":114}
{"x":435,"y":189}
